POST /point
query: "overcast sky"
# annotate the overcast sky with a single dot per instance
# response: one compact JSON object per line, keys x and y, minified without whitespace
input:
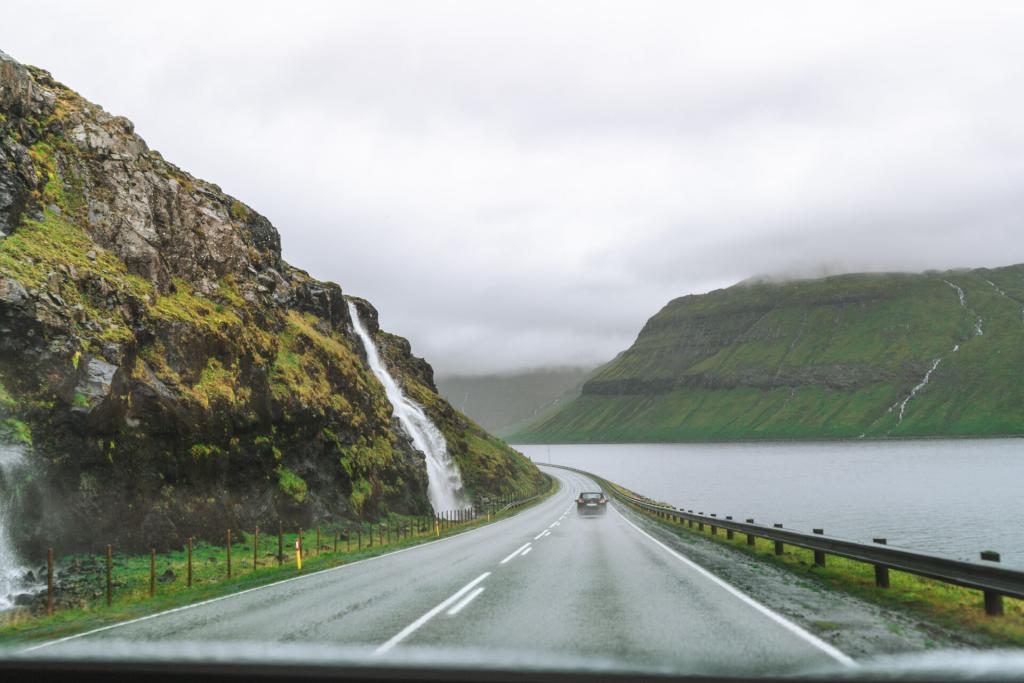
{"x":523,"y":184}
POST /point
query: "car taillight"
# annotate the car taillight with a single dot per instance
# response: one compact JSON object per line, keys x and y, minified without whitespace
{"x":580,"y":500}
{"x":602,"y":501}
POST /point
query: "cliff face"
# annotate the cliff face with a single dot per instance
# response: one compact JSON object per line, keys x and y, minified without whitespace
{"x":173,"y":375}
{"x":835,"y":357}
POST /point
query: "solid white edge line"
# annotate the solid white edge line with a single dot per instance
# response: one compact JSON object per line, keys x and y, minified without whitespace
{"x":443,"y":605}
{"x":527,"y":551}
{"x":320,"y":572}
{"x":798,"y":631}
{"x":466,"y":600}
{"x":516,"y":552}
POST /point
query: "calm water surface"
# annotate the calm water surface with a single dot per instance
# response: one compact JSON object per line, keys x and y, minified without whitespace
{"x":954,"y":497}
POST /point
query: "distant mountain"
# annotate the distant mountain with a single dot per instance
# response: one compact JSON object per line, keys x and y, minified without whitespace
{"x":505,"y":403}
{"x":861,"y":355}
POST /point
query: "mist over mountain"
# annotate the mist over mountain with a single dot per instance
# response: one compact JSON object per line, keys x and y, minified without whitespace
{"x":504,"y":403}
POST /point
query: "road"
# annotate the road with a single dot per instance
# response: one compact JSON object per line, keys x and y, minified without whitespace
{"x":544,"y":583}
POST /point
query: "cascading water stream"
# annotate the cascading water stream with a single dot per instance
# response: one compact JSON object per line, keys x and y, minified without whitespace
{"x":12,"y":458}
{"x":444,"y":486}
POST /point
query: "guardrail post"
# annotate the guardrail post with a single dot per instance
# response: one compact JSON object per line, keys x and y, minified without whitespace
{"x":49,"y":581}
{"x":780,"y":548}
{"x":751,"y":538}
{"x":819,"y":555}
{"x":256,"y":548}
{"x":993,"y":600}
{"x":337,"y":534}
{"x":229,"y":553}
{"x":714,"y":529}
{"x":189,"y":580}
{"x":728,"y":532}
{"x":318,"y":540}
{"x":152,"y":572}
{"x":700,"y":523}
{"x":280,"y":544}
{"x":690,"y":521}
{"x":881,"y":571}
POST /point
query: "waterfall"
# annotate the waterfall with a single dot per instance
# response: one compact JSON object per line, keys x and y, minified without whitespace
{"x":919,"y":387}
{"x":11,"y":570}
{"x":444,"y":486}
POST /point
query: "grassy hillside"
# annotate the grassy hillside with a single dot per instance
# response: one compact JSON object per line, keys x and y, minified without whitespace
{"x":839,"y":357}
{"x":506,"y":403}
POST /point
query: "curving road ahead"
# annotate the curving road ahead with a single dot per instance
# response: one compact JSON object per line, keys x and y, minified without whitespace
{"x":543,"y":583}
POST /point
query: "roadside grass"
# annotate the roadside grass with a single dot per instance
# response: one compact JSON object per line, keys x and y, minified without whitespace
{"x":951,"y":606}
{"x":131,"y":573}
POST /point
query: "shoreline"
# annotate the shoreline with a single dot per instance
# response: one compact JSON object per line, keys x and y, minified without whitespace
{"x":811,"y":440}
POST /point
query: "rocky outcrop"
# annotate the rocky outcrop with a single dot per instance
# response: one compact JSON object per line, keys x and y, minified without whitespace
{"x":175,"y":375}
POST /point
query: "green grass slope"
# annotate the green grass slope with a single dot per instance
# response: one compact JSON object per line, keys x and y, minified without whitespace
{"x":838,"y":357}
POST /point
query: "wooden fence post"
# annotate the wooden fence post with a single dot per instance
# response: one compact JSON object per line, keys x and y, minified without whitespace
{"x":280,"y":544}
{"x":256,"y":549}
{"x":49,"y":581}
{"x":152,"y":572}
{"x":229,"y":553}
{"x":189,"y":562}
{"x":110,"y":578}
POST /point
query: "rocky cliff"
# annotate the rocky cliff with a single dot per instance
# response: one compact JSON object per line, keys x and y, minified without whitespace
{"x":171,"y":373}
{"x":861,"y":355}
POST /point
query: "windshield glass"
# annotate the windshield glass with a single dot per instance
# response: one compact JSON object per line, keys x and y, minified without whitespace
{"x":530,"y":338}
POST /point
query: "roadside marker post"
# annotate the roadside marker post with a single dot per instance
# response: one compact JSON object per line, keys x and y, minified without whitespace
{"x":298,"y":551}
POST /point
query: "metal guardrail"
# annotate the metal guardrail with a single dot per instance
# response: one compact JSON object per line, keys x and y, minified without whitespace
{"x":524,"y":501}
{"x":994,"y":581}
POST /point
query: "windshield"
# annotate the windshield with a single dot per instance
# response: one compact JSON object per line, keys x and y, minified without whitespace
{"x":512,"y":338}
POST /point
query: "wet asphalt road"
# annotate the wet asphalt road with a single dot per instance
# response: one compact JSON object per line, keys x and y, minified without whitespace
{"x":544,"y":583}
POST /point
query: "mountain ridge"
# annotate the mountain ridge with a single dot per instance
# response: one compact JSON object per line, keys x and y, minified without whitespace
{"x":835,"y":357}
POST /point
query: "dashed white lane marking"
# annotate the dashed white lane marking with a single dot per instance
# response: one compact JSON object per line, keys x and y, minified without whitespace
{"x":542,"y":534}
{"x":527,"y":551}
{"x":831,"y":651}
{"x":466,"y":600}
{"x":414,"y":626}
{"x":516,"y":552}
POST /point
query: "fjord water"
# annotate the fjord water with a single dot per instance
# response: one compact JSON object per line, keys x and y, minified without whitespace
{"x":950,"y":497}
{"x":444,"y":487}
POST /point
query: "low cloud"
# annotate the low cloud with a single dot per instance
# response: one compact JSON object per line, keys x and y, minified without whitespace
{"x":524,"y":184}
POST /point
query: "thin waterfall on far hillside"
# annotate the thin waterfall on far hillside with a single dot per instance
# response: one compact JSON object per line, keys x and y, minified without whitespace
{"x":11,"y":570}
{"x":444,"y":487}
